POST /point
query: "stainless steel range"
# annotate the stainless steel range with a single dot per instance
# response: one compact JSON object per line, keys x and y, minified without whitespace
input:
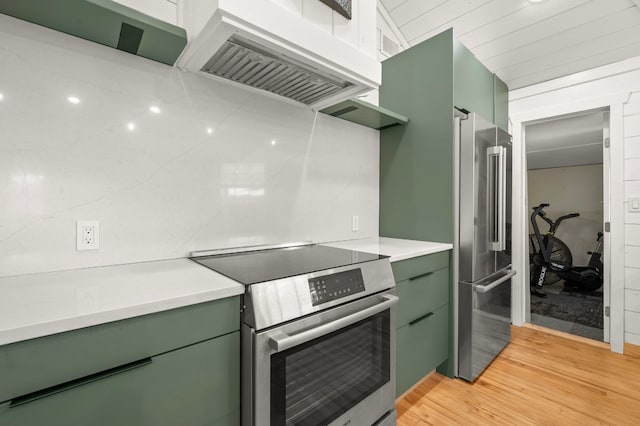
{"x":318,"y":335}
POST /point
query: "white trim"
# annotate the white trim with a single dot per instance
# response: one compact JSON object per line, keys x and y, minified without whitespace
{"x":606,"y":209}
{"x":616,"y":193}
{"x":520,"y":225}
{"x":456,"y":238}
{"x":520,"y":246}
{"x":384,"y":14}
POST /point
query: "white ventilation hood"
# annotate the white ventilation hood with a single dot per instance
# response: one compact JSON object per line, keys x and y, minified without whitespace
{"x":261,"y":46}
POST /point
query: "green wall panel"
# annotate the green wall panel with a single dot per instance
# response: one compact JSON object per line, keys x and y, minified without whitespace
{"x":473,"y":83}
{"x":416,"y":159}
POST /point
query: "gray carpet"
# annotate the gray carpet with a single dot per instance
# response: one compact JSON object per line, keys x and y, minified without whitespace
{"x":576,"y":311}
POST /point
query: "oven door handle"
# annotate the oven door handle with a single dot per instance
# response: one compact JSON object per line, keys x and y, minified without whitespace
{"x":282,"y":341}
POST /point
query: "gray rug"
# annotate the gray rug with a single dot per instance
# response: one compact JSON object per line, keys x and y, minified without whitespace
{"x":570,"y":304}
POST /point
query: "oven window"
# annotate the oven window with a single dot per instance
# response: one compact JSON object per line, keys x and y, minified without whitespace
{"x":316,"y":382}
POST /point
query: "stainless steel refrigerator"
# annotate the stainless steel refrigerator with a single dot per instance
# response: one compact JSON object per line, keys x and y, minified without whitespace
{"x":483,"y":243}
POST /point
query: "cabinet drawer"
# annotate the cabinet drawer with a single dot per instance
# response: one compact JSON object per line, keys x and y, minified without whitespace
{"x":421,"y":347}
{"x":416,"y":266}
{"x":422,"y":294}
{"x":197,"y":385}
{"x":39,"y":363}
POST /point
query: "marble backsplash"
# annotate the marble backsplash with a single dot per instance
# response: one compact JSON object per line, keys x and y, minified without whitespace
{"x":168,"y":162}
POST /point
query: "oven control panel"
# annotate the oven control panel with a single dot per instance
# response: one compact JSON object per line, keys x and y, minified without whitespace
{"x":335,"y":286}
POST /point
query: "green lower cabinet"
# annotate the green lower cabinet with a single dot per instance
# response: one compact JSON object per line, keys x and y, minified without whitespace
{"x":192,"y":386}
{"x":35,"y":364}
{"x":422,"y":345}
{"x":422,"y":294}
{"x":419,"y":266}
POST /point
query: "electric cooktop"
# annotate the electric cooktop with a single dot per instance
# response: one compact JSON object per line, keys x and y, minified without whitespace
{"x":254,"y":267}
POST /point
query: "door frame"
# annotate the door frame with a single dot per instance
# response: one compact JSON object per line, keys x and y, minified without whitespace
{"x":614,"y":240}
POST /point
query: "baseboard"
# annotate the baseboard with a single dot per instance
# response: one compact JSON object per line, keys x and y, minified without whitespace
{"x":567,"y":336}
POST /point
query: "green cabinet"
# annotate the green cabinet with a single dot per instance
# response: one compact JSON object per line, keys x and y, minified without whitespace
{"x":196,"y":385}
{"x":176,"y":367}
{"x":422,"y":295}
{"x":416,"y":159}
{"x":424,"y":83}
{"x":473,"y":85}
{"x":421,"y":347}
{"x":423,"y":326}
{"x":501,"y":103}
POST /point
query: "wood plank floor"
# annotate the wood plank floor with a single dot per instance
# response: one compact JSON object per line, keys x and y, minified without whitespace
{"x":539,"y":379}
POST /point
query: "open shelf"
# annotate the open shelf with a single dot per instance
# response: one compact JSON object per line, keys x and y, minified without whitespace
{"x":366,"y":114}
{"x":105,"y":22}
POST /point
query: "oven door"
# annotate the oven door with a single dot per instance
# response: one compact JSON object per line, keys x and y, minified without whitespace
{"x":336,"y":367}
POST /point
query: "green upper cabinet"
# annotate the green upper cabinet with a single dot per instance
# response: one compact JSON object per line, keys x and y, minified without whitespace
{"x":500,"y":103}
{"x":472,"y":83}
{"x":424,"y":84}
{"x":415,"y":159}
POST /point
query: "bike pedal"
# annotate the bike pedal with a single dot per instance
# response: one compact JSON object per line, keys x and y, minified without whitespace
{"x":538,"y":293}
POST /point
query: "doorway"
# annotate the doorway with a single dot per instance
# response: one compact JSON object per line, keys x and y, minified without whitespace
{"x":567,"y":169}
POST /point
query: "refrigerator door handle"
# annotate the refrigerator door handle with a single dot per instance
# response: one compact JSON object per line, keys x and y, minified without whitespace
{"x":486,"y":288}
{"x":497,"y":165}
{"x":497,"y":188}
{"x":502,"y":198}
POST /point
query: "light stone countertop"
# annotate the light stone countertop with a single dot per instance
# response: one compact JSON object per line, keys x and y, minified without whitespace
{"x":396,"y":249}
{"x":37,"y":305}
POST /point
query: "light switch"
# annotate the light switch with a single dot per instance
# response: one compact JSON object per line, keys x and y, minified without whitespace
{"x":634,"y":204}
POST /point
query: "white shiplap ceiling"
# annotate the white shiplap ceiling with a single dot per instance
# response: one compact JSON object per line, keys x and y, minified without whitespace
{"x":573,"y":140}
{"x":526,"y":43}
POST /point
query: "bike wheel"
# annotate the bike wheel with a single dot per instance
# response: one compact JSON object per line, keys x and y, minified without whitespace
{"x":560,"y":253}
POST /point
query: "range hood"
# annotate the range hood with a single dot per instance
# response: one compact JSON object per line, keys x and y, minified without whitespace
{"x":264,"y":47}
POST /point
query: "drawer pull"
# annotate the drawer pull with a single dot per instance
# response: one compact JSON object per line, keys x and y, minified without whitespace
{"x":417,"y":277}
{"x":63,"y":387}
{"x":423,"y":317}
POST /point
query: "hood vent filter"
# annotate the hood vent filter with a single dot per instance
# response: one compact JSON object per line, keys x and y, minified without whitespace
{"x":238,"y":60}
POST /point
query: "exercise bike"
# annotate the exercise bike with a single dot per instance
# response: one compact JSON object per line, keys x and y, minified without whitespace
{"x":550,"y":258}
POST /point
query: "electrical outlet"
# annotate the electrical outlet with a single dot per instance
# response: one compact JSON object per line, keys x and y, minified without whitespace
{"x":355,"y":223}
{"x":87,"y":235}
{"x":634,"y":204}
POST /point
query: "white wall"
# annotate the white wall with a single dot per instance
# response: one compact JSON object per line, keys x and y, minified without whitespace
{"x":385,"y":27}
{"x":170,"y":185}
{"x":568,"y":190}
{"x":632,"y":220}
{"x":618,"y":87}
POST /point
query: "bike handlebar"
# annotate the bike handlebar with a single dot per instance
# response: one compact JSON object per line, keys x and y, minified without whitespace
{"x":555,"y":226}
